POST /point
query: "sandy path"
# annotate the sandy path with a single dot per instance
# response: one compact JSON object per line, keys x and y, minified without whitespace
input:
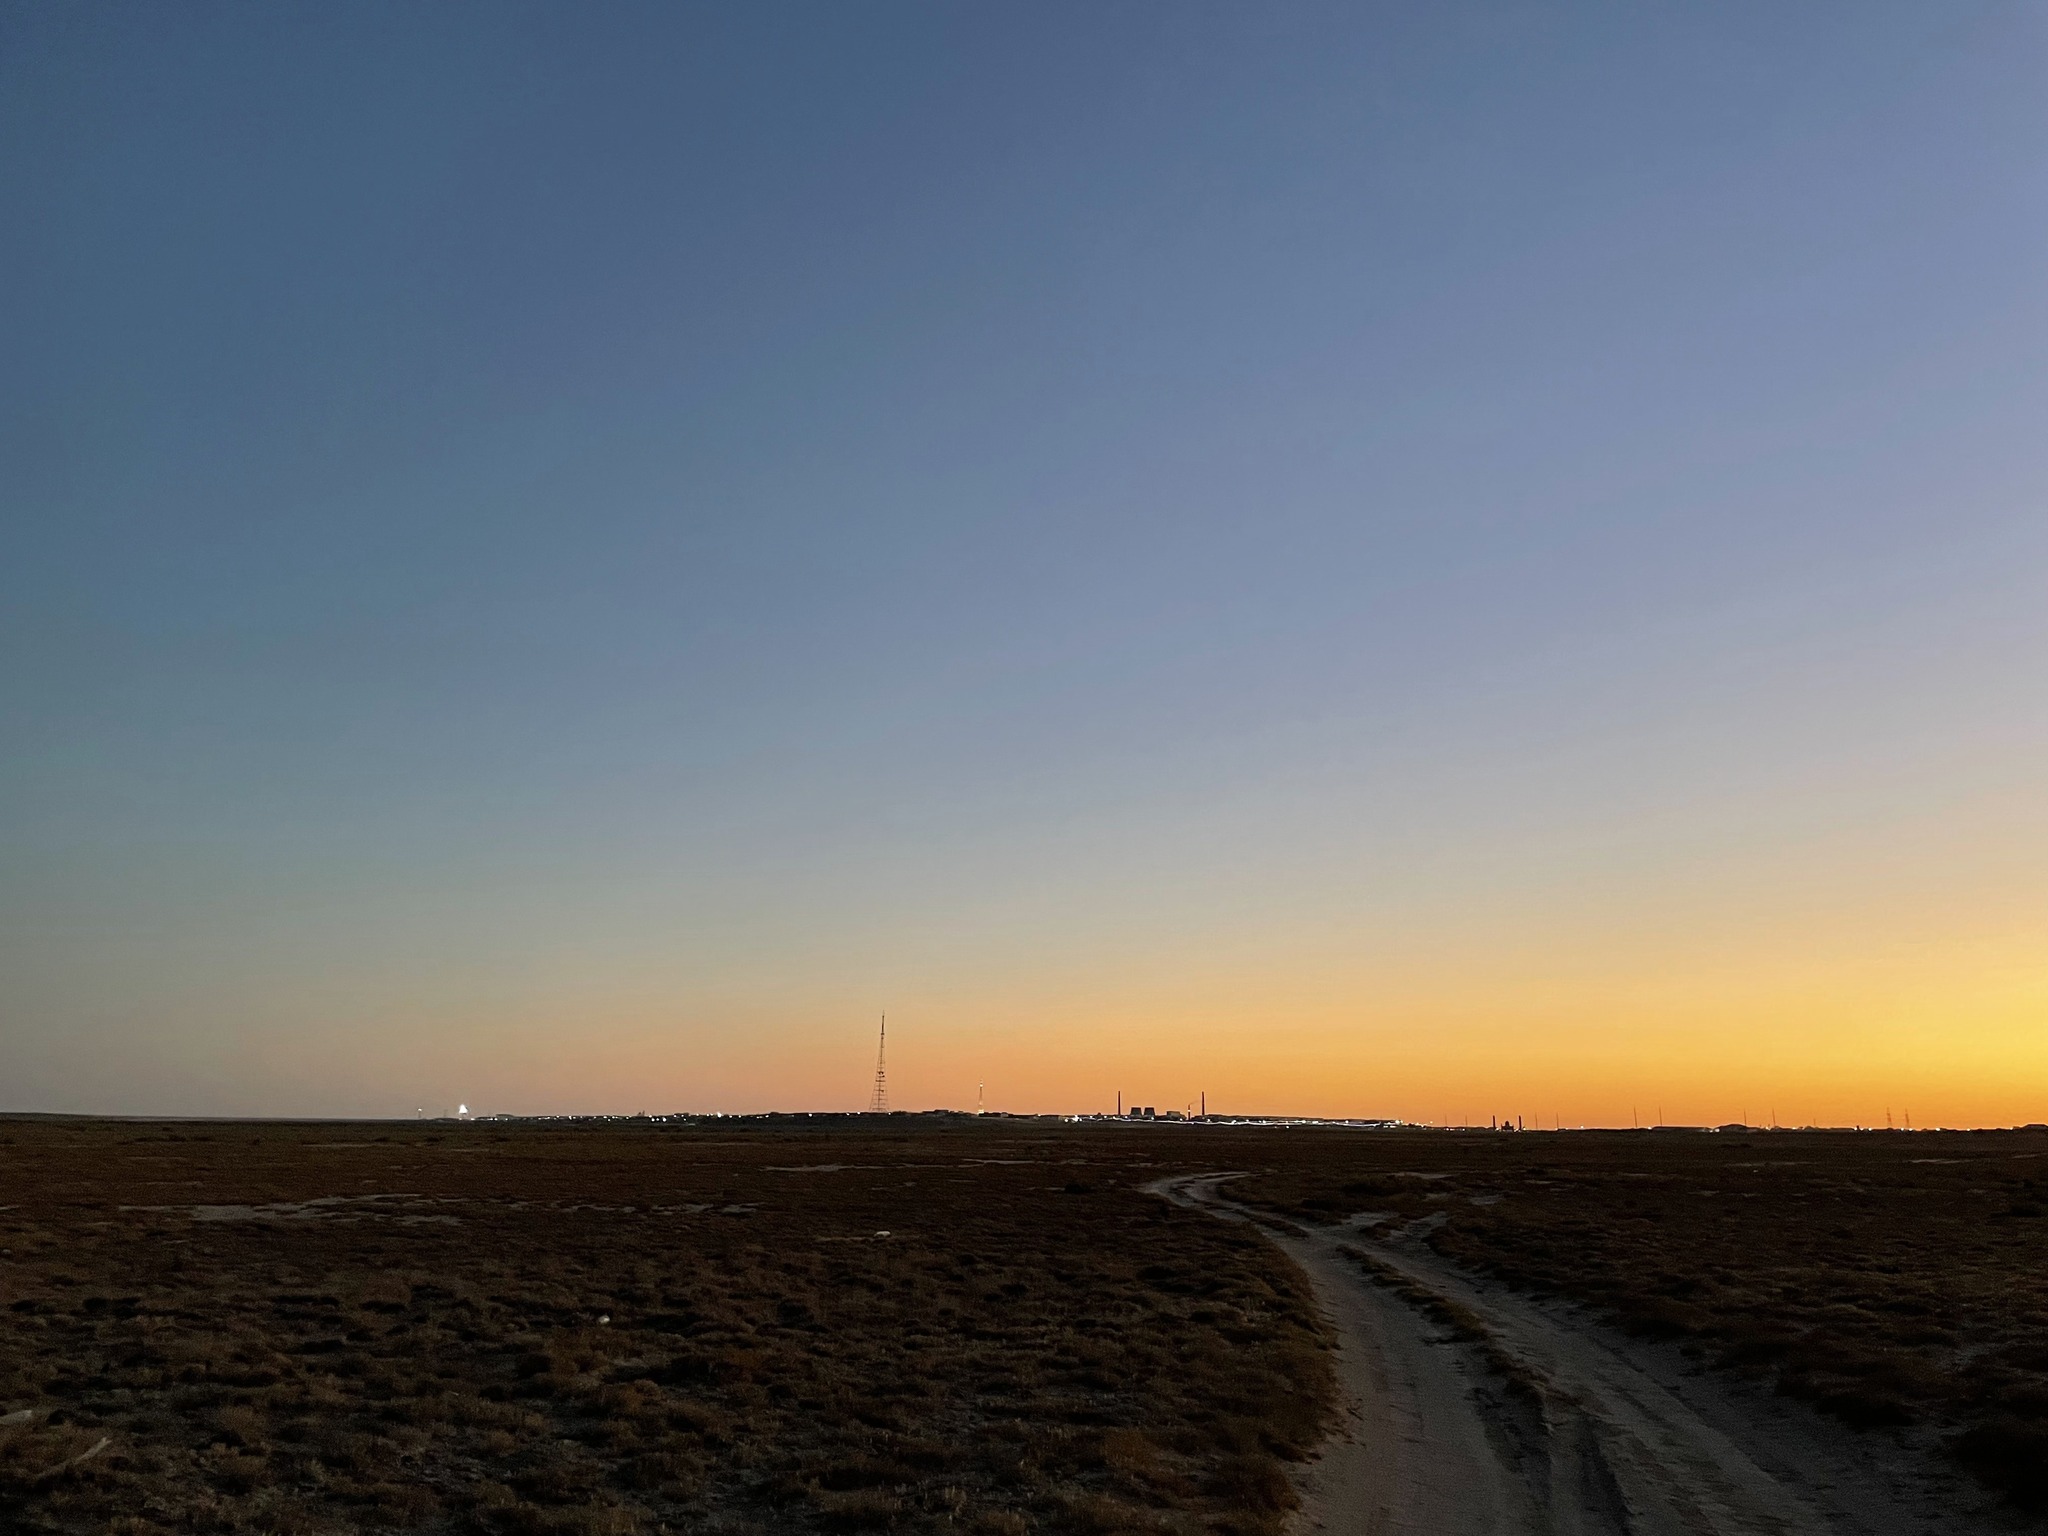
{"x":1475,"y":1409}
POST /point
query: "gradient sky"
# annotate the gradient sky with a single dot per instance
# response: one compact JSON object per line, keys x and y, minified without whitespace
{"x":1423,"y":559}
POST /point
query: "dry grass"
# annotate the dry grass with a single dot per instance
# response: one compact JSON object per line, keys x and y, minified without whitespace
{"x":576,"y":1329}
{"x":1891,"y":1279}
{"x":590,"y":1331}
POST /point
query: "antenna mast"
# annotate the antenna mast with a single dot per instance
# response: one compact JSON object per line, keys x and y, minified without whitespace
{"x":879,"y":1104}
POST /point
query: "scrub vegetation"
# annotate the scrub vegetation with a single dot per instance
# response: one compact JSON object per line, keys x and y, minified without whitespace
{"x":914,"y":1324}
{"x":572,"y":1329}
{"x":1898,"y":1281}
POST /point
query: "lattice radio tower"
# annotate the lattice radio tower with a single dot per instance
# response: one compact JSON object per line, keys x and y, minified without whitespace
{"x":879,"y":1104}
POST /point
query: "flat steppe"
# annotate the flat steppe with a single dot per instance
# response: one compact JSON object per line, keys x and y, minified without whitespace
{"x":911,"y":1322}
{"x":537,"y":1328}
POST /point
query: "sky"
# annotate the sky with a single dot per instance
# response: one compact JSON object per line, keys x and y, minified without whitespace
{"x":1424,"y":559}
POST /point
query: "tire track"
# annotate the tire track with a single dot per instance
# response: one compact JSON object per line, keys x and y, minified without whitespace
{"x":1479,"y":1412}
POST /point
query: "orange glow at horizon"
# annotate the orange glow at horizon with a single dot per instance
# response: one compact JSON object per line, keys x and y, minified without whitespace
{"x":1946,"y":1033}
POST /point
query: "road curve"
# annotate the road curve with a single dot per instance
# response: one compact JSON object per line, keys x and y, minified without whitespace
{"x":1475,"y":1411}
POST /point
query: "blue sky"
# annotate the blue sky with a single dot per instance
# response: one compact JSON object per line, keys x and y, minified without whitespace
{"x":647,"y":534}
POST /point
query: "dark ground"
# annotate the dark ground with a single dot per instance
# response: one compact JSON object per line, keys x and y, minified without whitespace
{"x":629,"y":1328}
{"x":323,"y":1328}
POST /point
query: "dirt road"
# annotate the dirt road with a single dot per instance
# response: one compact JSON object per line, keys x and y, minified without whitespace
{"x":1479,"y":1411}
